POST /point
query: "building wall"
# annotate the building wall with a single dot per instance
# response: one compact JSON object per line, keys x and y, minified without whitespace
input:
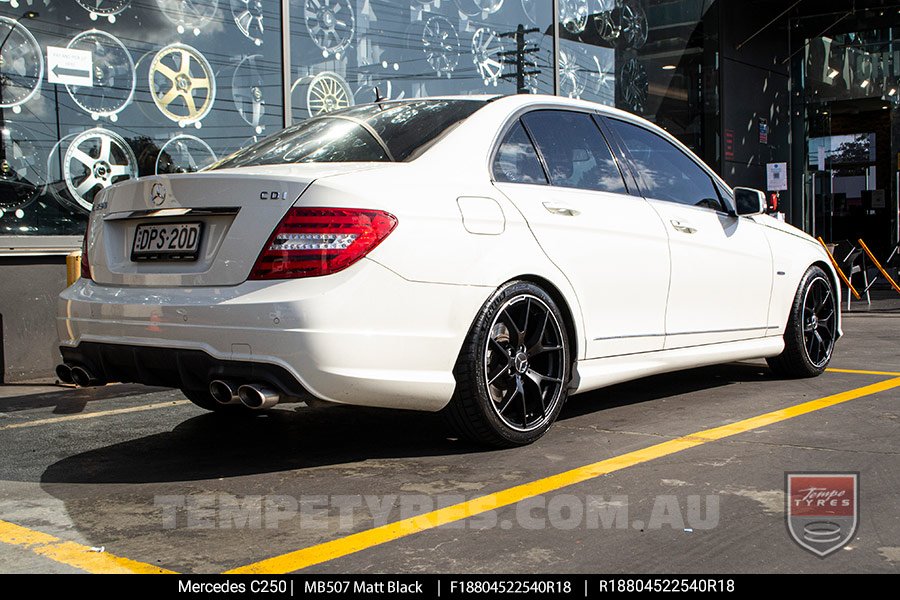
{"x":28,"y":310}
{"x":755,"y":85}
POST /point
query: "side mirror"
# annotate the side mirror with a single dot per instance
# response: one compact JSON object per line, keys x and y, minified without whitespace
{"x":748,"y":201}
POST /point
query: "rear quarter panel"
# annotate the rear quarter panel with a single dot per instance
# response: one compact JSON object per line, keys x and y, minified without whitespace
{"x":432,"y":243}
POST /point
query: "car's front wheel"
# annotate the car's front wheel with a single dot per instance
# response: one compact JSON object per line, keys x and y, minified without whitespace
{"x":811,"y":329}
{"x":513,"y":370}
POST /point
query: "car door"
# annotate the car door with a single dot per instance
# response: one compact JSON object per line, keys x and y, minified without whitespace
{"x":609,"y":243}
{"x":721,"y":278}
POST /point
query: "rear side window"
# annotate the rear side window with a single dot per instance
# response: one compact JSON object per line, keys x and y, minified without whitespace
{"x":574,"y":150}
{"x":516,"y":161}
{"x":665,"y":171}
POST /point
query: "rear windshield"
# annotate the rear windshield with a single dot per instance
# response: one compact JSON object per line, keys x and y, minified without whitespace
{"x":389,"y":131}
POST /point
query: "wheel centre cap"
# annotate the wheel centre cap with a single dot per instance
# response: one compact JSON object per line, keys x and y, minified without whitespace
{"x":101,"y":169}
{"x":183,"y":82}
{"x":520,"y":362}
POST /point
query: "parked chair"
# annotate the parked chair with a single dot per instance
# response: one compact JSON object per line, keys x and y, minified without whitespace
{"x":851,"y":260}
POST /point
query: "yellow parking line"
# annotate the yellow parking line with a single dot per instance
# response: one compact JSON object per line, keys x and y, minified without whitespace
{"x":71,"y":553}
{"x":313,"y":555}
{"x":859,"y":372}
{"x":91,"y":415}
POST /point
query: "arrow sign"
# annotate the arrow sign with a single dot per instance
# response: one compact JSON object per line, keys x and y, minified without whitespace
{"x":69,"y":66}
{"x":63,"y":72}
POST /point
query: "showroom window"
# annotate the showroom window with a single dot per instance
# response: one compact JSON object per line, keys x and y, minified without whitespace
{"x":93,"y":92}
{"x":342,"y":51}
{"x":516,"y":160}
{"x":574,"y":150}
{"x":667,"y":173}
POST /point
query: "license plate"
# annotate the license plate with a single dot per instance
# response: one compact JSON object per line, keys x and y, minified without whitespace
{"x":166,"y":241}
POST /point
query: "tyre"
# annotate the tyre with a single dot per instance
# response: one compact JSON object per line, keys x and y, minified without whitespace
{"x":811,"y":329}
{"x":513,"y":370}
{"x":204,"y":400}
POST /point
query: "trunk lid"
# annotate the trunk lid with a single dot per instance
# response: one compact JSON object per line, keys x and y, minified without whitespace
{"x":236,"y":209}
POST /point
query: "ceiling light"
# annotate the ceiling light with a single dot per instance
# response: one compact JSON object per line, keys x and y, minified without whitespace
{"x":669,"y":67}
{"x":832,"y":73}
{"x":865,"y":83}
{"x":892,"y":91}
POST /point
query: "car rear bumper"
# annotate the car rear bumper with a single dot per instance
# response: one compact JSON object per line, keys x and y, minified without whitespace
{"x":363,"y":336}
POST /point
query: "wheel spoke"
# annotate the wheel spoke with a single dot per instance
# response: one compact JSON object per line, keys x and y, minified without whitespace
{"x":513,"y":328}
{"x":520,"y":389}
{"x":534,"y":380}
{"x":503,"y":371}
{"x":512,"y":392}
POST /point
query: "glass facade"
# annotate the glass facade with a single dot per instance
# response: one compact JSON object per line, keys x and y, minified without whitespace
{"x":851,"y":87}
{"x":97,"y":91}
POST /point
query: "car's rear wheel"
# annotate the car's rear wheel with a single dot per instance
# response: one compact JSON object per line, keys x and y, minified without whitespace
{"x":811,"y":329}
{"x":204,"y":399}
{"x":513,"y":371}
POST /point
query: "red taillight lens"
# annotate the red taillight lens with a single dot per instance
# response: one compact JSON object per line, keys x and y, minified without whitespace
{"x":318,"y":241}
{"x":85,"y":265}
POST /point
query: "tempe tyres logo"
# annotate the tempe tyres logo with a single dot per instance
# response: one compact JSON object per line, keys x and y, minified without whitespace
{"x":822,"y":510}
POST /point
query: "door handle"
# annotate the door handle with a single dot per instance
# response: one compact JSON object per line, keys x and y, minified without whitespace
{"x":561,"y":209}
{"x":683,"y":227}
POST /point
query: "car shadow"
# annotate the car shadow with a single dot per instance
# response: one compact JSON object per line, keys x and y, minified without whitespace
{"x":67,"y":399}
{"x":212,"y":446}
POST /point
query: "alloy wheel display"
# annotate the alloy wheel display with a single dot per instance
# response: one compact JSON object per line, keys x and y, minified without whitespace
{"x":184,"y":154}
{"x":22,"y":176}
{"x":571,"y":81}
{"x":634,"y":24}
{"x":472,"y":8}
{"x":21,"y":65}
{"x":440,"y":43}
{"x":189,"y":15}
{"x":247,"y":91}
{"x":634,"y":85}
{"x":182,"y":84}
{"x":323,"y":93}
{"x":109,"y":9}
{"x":94,"y":160}
{"x":331,"y":25}
{"x":113,"y":75}
{"x":573,"y":15}
{"x":248,"y":16}
{"x":486,"y":54}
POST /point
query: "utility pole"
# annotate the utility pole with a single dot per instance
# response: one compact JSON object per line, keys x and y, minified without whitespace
{"x":519,"y":58}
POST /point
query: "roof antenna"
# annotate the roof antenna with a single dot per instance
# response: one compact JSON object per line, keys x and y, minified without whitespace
{"x":378,"y":96}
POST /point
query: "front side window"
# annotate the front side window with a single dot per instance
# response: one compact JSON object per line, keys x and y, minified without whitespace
{"x":516,"y":161}
{"x":665,"y":171}
{"x":574,"y":150}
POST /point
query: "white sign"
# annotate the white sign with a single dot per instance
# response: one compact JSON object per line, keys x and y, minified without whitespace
{"x":70,"y":67}
{"x":776,"y":177}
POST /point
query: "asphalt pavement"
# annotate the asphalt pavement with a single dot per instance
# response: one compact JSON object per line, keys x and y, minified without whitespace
{"x":676,"y":473}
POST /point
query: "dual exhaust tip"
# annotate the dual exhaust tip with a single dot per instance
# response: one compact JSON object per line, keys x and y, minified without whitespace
{"x":77,"y":375}
{"x":251,"y":395}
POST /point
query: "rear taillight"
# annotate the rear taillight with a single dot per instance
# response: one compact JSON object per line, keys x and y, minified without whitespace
{"x":318,"y":241}
{"x":85,"y":265}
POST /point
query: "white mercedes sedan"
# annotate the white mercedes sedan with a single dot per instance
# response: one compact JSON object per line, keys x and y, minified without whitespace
{"x":483,"y":257}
